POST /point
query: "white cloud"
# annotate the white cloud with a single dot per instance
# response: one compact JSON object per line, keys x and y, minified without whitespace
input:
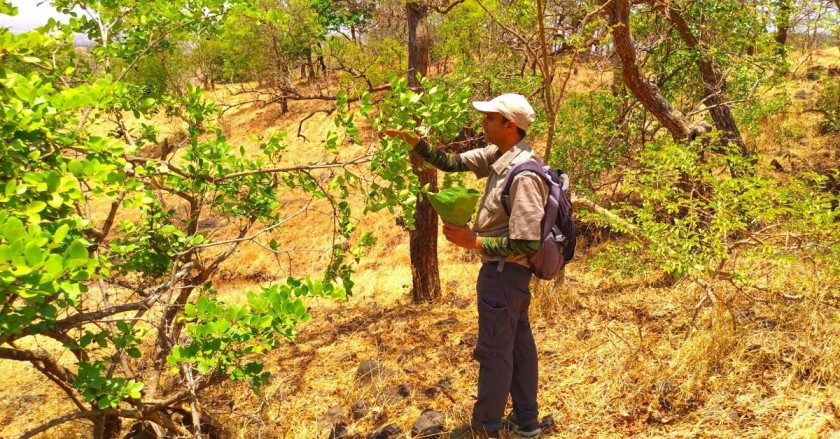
{"x":31,"y":14}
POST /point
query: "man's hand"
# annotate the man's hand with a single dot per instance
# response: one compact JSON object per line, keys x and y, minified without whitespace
{"x":461,"y":236}
{"x":408,"y":137}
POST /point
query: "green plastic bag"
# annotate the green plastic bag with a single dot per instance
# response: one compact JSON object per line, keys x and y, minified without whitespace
{"x":455,"y":205}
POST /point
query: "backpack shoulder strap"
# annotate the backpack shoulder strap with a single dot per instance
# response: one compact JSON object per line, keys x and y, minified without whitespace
{"x":528,"y":165}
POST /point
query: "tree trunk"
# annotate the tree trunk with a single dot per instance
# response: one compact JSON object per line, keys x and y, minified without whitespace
{"x":423,"y":239}
{"x":107,"y":427}
{"x":713,"y":83}
{"x":837,"y":2}
{"x":547,"y":69}
{"x":617,"y":13}
{"x":323,"y":64}
{"x":617,"y":85}
{"x":310,"y":64}
{"x":782,"y":26}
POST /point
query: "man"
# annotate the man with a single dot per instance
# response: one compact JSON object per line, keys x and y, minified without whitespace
{"x":505,"y":349}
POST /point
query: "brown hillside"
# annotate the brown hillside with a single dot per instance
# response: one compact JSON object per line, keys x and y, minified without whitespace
{"x":619,"y":356}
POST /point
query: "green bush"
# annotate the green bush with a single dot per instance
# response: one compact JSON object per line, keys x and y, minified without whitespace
{"x":829,"y":106}
{"x":588,"y":139}
{"x":692,"y":209}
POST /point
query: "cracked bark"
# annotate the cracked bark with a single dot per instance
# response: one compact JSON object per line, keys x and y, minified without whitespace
{"x":425,"y":275}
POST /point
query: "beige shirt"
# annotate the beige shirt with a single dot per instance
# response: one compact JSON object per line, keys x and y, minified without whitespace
{"x":528,"y":195}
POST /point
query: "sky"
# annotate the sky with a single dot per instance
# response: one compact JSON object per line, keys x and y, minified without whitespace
{"x":31,"y":14}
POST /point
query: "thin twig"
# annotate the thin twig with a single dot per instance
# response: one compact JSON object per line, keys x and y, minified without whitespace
{"x":249,"y":238}
{"x":80,"y":415}
{"x":708,"y":295}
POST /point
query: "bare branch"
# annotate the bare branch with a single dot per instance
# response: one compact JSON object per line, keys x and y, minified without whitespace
{"x":194,"y":410}
{"x":79,"y":415}
{"x":211,"y":179}
{"x":101,"y":233}
{"x":445,"y":10}
{"x":512,"y":31}
{"x":249,"y":238}
{"x":208,"y":271}
{"x":69,"y":322}
{"x":327,"y":111}
{"x":708,"y":295}
{"x":578,"y":202}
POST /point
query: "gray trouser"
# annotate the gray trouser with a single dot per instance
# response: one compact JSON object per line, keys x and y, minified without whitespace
{"x":505,"y":350}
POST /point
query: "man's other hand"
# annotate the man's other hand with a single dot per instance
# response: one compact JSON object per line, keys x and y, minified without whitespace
{"x":461,"y":236}
{"x":408,"y":137}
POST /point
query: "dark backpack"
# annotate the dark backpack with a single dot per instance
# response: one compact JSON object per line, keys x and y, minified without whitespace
{"x":558,"y":238}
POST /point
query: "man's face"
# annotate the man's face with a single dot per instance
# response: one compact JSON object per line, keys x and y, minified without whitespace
{"x":494,"y":127}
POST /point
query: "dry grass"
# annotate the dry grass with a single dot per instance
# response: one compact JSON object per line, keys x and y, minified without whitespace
{"x":618,"y":357}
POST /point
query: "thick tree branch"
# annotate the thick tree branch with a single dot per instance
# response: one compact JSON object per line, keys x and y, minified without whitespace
{"x":42,"y":357}
{"x":617,"y":13}
{"x":47,"y":365}
{"x":90,"y":414}
{"x":713,"y":80}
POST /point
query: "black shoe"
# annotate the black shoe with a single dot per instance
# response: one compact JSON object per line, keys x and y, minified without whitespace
{"x":472,"y":433}
{"x":529,"y":428}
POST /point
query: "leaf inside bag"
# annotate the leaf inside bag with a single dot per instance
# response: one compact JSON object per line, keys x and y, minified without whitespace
{"x":455,"y":205}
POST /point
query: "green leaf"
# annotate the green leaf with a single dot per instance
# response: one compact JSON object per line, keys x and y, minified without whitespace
{"x":107,"y":401}
{"x":61,"y":233}
{"x":56,"y":201}
{"x":53,"y":181}
{"x":13,"y":228}
{"x":54,"y":264}
{"x":77,"y":250}
{"x":203,"y":367}
{"x":35,"y":207}
{"x":8,"y":9}
{"x":49,"y":312}
{"x":11,"y":187}
{"x":33,"y":253}
{"x":75,"y":167}
{"x":135,"y":389}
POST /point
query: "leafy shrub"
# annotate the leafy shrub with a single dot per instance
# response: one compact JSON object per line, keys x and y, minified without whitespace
{"x":829,"y":105}
{"x":693,"y":209}
{"x":588,"y":139}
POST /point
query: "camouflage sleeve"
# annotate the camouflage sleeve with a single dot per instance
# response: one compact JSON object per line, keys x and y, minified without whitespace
{"x":440,"y":159}
{"x":504,"y":246}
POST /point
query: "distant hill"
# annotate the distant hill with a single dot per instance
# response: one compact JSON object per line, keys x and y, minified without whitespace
{"x":79,"y":40}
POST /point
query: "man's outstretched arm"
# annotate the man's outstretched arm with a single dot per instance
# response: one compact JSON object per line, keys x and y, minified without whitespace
{"x":442,"y":160}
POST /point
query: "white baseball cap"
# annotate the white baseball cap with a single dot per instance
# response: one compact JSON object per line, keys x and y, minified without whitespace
{"x":512,"y":106}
